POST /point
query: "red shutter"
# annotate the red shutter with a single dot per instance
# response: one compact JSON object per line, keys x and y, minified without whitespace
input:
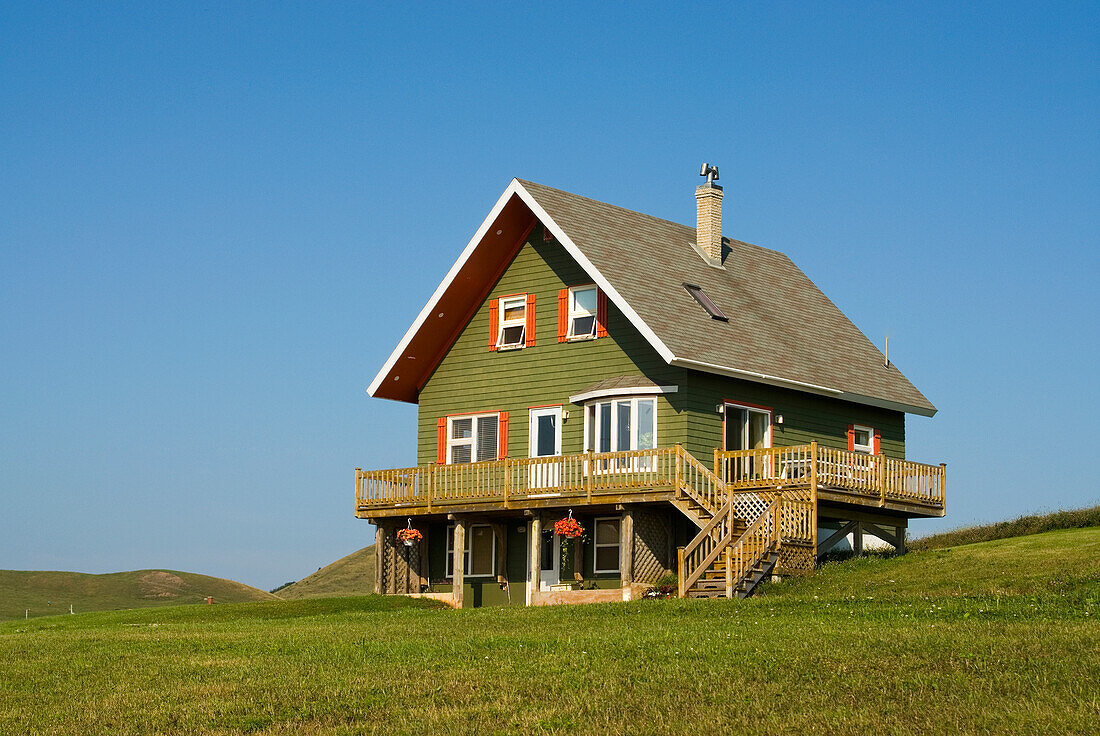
{"x":601,"y":314}
{"x":530,"y":329}
{"x":878,"y":440}
{"x":563,"y":314}
{"x":441,"y":440}
{"x":851,"y":438}
{"x":494,"y":323}
{"x":502,"y":436}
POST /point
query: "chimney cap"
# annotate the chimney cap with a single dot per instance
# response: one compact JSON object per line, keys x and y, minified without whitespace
{"x":710,"y":172}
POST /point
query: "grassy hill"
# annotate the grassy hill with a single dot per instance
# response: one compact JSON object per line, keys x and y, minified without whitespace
{"x":996,"y":637}
{"x":1022,"y":526}
{"x":44,"y":593}
{"x":351,"y":575}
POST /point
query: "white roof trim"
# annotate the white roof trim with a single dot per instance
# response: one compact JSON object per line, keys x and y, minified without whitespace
{"x":603,"y":393}
{"x":722,"y":370}
{"x":442,"y":288}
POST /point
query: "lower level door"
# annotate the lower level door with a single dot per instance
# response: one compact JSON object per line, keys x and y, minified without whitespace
{"x":550,"y":566}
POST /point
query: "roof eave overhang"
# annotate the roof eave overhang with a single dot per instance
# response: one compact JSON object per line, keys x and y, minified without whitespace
{"x":835,"y":393}
{"x":429,"y":308}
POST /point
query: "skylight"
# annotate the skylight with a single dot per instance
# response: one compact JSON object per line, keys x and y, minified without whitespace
{"x":704,"y":301}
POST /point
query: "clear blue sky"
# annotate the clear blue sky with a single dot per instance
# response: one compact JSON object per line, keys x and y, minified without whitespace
{"x":216,"y":223}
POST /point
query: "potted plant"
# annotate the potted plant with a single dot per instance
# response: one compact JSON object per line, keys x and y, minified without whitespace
{"x":568,"y":527}
{"x":408,"y":535}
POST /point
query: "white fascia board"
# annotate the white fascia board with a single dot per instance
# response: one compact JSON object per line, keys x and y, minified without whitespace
{"x":923,"y":411}
{"x":722,"y":370}
{"x":594,"y":274}
{"x":443,"y":285}
{"x":604,"y":393}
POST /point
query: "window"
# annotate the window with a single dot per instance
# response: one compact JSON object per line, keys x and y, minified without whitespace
{"x":621,"y":424}
{"x":472,"y":439}
{"x":863,"y":439}
{"x":746,"y":427}
{"x":513,"y":322}
{"x":582,"y":312}
{"x":607,"y":544}
{"x":481,"y":551}
{"x":700,"y":296}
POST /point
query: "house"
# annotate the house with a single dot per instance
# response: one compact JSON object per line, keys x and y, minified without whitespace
{"x":693,"y":401}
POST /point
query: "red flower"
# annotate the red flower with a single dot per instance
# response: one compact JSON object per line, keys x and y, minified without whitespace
{"x":568,"y":527}
{"x":409,"y":535}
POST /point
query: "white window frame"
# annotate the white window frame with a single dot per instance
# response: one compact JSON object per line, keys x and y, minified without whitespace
{"x":472,"y":439}
{"x":869,"y":448}
{"x":575,"y":312}
{"x":502,"y":305}
{"x":591,"y":430}
{"x":596,"y":545}
{"x":450,"y":572}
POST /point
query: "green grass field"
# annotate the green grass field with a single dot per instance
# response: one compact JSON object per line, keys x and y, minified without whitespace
{"x":46,"y":593}
{"x":351,"y":575}
{"x":997,"y":637}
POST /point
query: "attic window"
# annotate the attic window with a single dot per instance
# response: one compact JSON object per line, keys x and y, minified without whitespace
{"x":512,"y":322}
{"x":704,"y":301}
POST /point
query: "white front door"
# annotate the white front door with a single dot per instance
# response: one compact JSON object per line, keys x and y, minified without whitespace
{"x":544,"y":440}
{"x":550,"y":562}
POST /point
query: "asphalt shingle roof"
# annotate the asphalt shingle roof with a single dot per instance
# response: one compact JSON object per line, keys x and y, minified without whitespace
{"x":780,"y":323}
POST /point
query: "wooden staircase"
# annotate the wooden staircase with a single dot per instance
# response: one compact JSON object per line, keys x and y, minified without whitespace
{"x":739,"y":534}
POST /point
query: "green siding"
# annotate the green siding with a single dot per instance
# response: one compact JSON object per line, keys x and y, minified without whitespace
{"x":471,"y":378}
{"x":806,"y":417}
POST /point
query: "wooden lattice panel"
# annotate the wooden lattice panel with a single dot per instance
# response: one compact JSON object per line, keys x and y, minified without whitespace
{"x":652,"y":540}
{"x":400,"y":564}
{"x":795,"y":559}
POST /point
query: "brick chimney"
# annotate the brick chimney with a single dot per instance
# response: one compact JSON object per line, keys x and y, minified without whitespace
{"x":708,"y":215}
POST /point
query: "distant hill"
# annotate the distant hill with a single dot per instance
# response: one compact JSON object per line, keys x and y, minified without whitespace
{"x":44,"y":593}
{"x":351,"y":575}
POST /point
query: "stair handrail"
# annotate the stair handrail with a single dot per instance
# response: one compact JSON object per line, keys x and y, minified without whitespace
{"x":713,"y":498}
{"x":765,"y":530}
{"x":701,"y":552}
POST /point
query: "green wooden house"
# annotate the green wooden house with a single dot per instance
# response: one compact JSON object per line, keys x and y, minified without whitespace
{"x":694,"y":402}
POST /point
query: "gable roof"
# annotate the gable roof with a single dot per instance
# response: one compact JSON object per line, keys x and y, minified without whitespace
{"x":782,"y":329}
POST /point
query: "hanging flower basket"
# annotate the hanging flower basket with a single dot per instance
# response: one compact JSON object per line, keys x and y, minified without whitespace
{"x":568,"y":527}
{"x":409,"y":536}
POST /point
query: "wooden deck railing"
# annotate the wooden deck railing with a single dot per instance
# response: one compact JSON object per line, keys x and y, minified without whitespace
{"x":511,"y":479}
{"x":871,"y":477}
{"x":737,"y":475}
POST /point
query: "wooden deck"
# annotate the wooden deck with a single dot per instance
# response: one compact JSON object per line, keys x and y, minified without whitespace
{"x":661,"y":474}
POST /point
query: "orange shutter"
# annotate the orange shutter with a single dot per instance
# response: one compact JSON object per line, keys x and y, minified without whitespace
{"x":878,"y":439}
{"x":563,"y":314}
{"x":530,"y":329}
{"x":851,"y":438}
{"x":494,"y":323}
{"x":502,"y":435}
{"x":601,"y":314}
{"x":441,"y":440}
